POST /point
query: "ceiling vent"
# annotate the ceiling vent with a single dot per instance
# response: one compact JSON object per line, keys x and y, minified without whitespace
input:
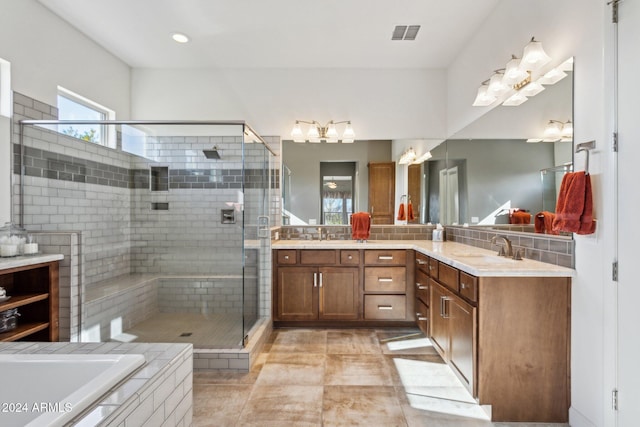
{"x":405,"y":32}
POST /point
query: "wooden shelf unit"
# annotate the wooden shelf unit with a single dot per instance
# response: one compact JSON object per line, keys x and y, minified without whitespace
{"x":34,"y":292}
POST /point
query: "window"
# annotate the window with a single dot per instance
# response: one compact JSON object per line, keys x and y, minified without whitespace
{"x":72,"y":106}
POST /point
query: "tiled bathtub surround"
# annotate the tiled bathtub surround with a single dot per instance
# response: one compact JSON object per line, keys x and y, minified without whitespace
{"x":159,"y":393}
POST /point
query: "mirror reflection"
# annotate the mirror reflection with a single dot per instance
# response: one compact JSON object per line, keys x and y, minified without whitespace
{"x":501,"y":163}
{"x":507,"y":166}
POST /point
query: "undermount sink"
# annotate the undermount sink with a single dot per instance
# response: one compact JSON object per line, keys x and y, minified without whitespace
{"x":478,"y":258}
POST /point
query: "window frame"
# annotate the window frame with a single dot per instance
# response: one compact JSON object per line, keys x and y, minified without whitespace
{"x":107,"y":134}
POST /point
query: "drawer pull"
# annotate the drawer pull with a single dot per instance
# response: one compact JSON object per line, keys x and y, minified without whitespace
{"x":286,"y":257}
{"x":422,"y":319}
{"x":350,"y":257}
{"x":385,"y":257}
{"x":385,"y":279}
{"x":421,"y":286}
{"x":385,"y":307}
{"x":421,"y":262}
{"x":462,"y":285}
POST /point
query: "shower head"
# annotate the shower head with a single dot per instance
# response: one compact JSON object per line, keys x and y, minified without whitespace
{"x":212,"y":153}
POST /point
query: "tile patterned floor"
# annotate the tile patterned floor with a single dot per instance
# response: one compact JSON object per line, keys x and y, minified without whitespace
{"x":313,"y":377}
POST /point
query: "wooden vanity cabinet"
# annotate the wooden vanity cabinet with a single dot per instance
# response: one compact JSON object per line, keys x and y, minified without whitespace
{"x":423,"y":293}
{"x":311,"y":291}
{"x":507,"y":340}
{"x":34,"y":292}
{"x":353,"y":285}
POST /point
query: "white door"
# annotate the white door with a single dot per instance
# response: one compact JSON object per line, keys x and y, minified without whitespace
{"x":448,"y":198}
{"x":628,"y":208}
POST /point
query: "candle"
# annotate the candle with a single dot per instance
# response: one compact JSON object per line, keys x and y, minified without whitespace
{"x":30,"y":248}
{"x":8,"y":250}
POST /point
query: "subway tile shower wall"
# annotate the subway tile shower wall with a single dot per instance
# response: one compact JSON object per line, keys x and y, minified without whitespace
{"x":104,"y":194}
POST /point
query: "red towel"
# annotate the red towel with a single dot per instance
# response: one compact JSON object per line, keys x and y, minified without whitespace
{"x":574,"y":209}
{"x":360,"y":225}
{"x":410,"y":216}
{"x":401,"y":216}
{"x":520,"y":216}
{"x":543,"y":222}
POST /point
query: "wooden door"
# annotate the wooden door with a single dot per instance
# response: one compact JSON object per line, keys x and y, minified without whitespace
{"x":415,"y":191}
{"x":297,"y":293}
{"x":461,"y":328}
{"x":439,"y":321}
{"x":382,"y":190}
{"x":339,"y":293}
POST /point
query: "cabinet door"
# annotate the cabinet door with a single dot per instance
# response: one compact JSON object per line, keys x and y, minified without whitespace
{"x":297,"y":293}
{"x":339,"y":292}
{"x":461,"y":328}
{"x":439,"y":321}
{"x":382,"y":189}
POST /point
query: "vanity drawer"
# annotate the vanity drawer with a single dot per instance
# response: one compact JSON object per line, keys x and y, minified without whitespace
{"x":385,"y":279}
{"x":422,"y":262}
{"x":350,"y":257}
{"x":469,"y":286}
{"x":385,"y":307}
{"x":385,"y":257}
{"x":318,"y":257}
{"x":422,"y":287}
{"x":448,"y":276}
{"x":287,"y":256}
{"x":433,"y":268}
{"x":422,"y":317}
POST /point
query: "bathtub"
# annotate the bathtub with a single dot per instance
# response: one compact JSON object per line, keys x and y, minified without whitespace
{"x":52,"y":389}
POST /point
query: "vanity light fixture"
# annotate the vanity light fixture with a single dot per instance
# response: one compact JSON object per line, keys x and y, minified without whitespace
{"x":483,"y":97}
{"x":519,"y":76}
{"x":555,"y":131}
{"x":426,"y":156}
{"x":408,"y":157}
{"x":327,"y":133}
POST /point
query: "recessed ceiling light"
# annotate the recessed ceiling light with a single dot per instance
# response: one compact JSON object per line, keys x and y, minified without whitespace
{"x":180,"y":38}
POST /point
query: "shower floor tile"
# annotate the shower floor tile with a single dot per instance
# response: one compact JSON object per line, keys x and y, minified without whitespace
{"x":202,"y":330}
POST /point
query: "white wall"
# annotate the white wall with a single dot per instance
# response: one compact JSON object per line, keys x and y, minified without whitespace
{"x":382,"y":104}
{"x":44,"y":52}
{"x":567,"y":28}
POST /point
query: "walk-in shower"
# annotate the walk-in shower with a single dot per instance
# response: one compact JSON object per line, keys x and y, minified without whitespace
{"x":168,"y":244}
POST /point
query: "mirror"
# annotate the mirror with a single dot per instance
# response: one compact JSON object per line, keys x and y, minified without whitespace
{"x":488,"y":170}
{"x":494,"y":167}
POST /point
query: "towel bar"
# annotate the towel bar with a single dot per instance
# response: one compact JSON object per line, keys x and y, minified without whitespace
{"x":586,"y":146}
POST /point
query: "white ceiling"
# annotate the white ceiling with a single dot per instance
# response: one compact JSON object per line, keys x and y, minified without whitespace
{"x":276,"y":33}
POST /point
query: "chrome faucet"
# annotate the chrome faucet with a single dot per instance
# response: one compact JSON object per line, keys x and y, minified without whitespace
{"x":506,"y":249}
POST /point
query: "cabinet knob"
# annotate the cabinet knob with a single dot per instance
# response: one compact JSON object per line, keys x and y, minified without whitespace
{"x":462,"y":285}
{"x":350,"y":257}
{"x":286,"y":257}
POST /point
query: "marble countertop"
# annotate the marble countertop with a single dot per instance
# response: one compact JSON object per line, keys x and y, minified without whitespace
{"x":21,"y":261}
{"x":470,"y":259}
